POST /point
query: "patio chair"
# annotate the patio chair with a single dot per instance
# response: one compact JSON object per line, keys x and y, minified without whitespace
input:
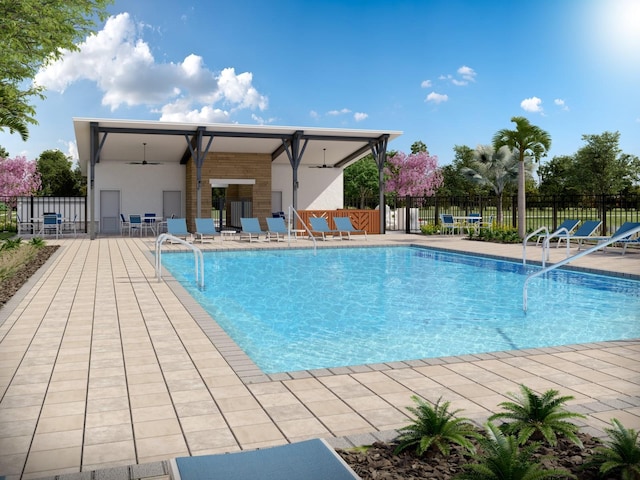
{"x":251,"y":229}
{"x":448,"y":223}
{"x":345,"y":226}
{"x":150,"y":222}
{"x":205,"y":230}
{"x":25,"y":227}
{"x":124,"y":224}
{"x":473,"y":222}
{"x":320,"y":225}
{"x":486,"y":224}
{"x":585,"y":231}
{"x":135,"y":224}
{"x":178,"y":228}
{"x":276,"y":228}
{"x":49,"y":223}
{"x":69,"y":225}
{"x":566,"y":227}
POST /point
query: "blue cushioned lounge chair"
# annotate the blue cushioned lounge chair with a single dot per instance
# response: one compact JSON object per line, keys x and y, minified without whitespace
{"x":205,"y":229}
{"x":320,"y":225}
{"x":624,"y":240}
{"x":565,"y":227}
{"x":276,"y":228}
{"x":345,"y":226}
{"x":178,"y":228}
{"x":251,"y":229}
{"x":585,"y":231}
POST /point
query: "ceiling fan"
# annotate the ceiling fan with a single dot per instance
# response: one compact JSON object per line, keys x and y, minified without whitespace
{"x":324,"y":161}
{"x":144,"y":157}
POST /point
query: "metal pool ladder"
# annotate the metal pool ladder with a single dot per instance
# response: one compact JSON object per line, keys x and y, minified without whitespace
{"x":564,"y":261}
{"x":315,"y":244}
{"x":197,"y":253}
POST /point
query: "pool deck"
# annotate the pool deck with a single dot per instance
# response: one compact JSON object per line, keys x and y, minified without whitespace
{"x":105,"y":371}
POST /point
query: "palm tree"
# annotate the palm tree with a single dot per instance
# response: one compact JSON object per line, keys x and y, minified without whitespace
{"x":528,"y":140}
{"x":495,"y":169}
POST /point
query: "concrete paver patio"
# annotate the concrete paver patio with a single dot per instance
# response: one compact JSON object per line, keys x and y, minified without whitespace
{"x":104,"y":367}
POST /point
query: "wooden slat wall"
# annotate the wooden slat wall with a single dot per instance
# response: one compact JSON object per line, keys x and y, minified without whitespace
{"x":367,"y":220}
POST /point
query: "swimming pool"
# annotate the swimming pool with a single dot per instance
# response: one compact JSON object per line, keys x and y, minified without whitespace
{"x":292,"y":310}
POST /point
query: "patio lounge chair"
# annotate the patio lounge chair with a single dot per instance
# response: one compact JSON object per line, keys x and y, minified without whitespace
{"x":178,"y":228}
{"x":565,"y":227}
{"x":320,"y":225}
{"x":344,"y":225}
{"x":625,"y":240}
{"x":585,"y":231}
{"x":307,"y":460}
{"x":448,"y":223}
{"x":251,"y":229}
{"x":205,"y":229}
{"x":276,"y":228}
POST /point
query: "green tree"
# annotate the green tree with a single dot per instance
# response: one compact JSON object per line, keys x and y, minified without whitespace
{"x":33,"y":33}
{"x":602,"y":168}
{"x":418,"y":146}
{"x":3,"y":152}
{"x":557,"y":177}
{"x":454,"y":183}
{"x":496,"y":169}
{"x":56,"y":174}
{"x":361,"y":180}
{"x":529,"y":141}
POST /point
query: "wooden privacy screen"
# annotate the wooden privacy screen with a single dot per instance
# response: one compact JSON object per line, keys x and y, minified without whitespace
{"x":367,"y":220}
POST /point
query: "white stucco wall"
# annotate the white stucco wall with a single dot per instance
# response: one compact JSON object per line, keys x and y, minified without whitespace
{"x":140,"y":186}
{"x":319,"y":188}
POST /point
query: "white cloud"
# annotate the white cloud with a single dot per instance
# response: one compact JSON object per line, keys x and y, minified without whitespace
{"x":314,"y":114}
{"x":533,"y":104}
{"x":122,"y":66}
{"x":344,"y":111}
{"x":359,"y":116}
{"x":436,"y":98}
{"x":559,"y":102}
{"x":425,"y":84}
{"x":468,"y":74}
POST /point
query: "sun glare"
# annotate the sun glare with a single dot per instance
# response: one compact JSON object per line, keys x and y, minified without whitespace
{"x":620,"y":35}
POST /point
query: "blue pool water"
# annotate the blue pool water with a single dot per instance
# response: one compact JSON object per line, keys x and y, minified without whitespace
{"x":290,"y":310}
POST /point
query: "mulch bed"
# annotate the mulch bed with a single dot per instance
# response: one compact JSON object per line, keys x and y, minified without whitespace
{"x":11,"y":285}
{"x":380,"y":463}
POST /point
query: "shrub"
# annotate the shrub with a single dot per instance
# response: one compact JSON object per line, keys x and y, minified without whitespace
{"x":430,"y":229}
{"x":435,"y":427}
{"x":538,"y":417}
{"x":620,"y":455}
{"x":502,"y":458}
{"x":497,"y":234}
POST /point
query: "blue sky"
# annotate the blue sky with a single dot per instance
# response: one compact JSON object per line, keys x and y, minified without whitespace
{"x":446,"y":73}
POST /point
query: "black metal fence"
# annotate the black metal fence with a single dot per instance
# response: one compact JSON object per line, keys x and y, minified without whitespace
{"x":409,"y":213}
{"x":28,"y":211}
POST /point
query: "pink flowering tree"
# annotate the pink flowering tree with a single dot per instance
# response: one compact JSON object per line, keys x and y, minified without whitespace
{"x":412,"y":175}
{"x":18,"y":176}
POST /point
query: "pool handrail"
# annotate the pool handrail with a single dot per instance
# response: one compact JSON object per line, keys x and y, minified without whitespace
{"x":315,"y":243}
{"x":197,"y":253}
{"x":527,"y":238}
{"x":601,"y":244}
{"x":560,"y":232}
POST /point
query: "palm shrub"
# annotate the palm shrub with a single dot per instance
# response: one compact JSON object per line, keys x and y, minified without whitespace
{"x":502,"y":458}
{"x":538,"y":416}
{"x":619,"y":457}
{"x":435,"y":427}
